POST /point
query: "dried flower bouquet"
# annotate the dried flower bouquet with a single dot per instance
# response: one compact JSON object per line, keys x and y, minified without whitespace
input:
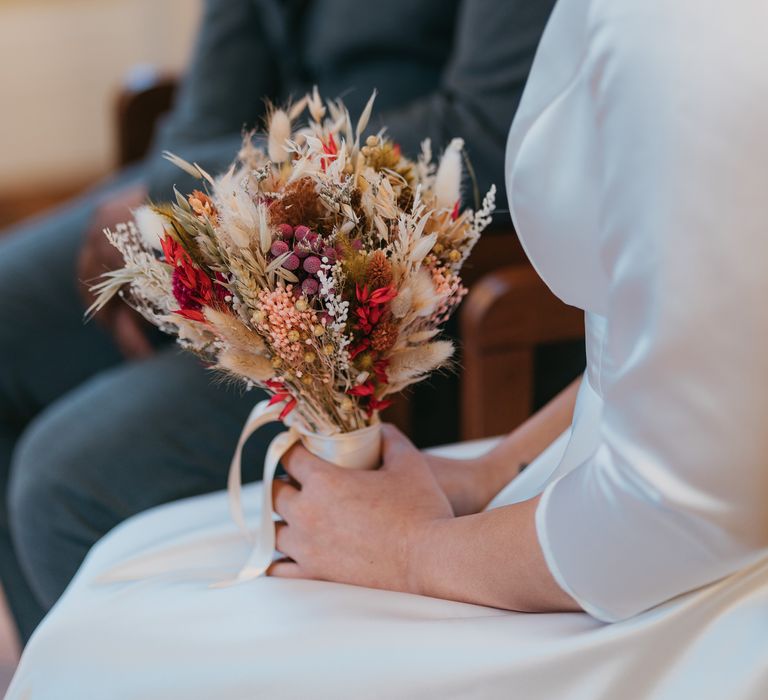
{"x":320,"y":267}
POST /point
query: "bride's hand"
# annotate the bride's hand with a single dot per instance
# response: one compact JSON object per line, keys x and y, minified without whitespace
{"x":357,"y":527}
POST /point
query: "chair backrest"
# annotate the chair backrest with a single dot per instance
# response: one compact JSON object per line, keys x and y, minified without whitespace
{"x":506,"y":315}
{"x":138,"y":108}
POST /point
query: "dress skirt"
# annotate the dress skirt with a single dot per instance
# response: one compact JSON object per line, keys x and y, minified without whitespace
{"x":141,"y":621}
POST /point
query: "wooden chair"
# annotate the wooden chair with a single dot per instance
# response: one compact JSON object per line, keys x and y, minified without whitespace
{"x":505,"y":317}
{"x":138,"y":107}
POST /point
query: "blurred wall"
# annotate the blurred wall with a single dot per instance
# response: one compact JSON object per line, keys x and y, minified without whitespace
{"x":61,"y":63}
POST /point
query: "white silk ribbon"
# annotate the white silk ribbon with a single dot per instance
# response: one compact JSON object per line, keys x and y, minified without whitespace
{"x":360,"y":449}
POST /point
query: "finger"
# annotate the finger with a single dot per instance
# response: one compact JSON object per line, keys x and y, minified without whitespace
{"x":301,"y":464}
{"x":284,"y":538}
{"x":395,"y":447}
{"x":285,"y":568}
{"x":284,"y":495}
{"x":130,"y":336}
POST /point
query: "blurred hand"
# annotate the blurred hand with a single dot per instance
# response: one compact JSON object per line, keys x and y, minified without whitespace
{"x":98,"y":256}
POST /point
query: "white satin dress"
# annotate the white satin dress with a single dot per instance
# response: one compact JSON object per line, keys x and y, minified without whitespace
{"x":638,"y":178}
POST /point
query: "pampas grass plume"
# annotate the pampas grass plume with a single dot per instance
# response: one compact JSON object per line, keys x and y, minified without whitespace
{"x":279,"y":133}
{"x":235,"y":332}
{"x":424,"y":300}
{"x":151,"y":227}
{"x":257,"y":368}
{"x":411,"y":364}
{"x":448,"y":178}
{"x":401,"y":304}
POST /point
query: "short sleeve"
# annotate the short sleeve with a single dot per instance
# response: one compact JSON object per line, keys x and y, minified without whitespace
{"x":676,"y":495}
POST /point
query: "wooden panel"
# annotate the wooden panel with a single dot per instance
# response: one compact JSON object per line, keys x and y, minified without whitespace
{"x":137,"y":113}
{"x":497,"y":248}
{"x":19,"y":204}
{"x":505,"y":316}
{"x":497,"y":389}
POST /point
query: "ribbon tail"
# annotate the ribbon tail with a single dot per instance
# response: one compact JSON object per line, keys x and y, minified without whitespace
{"x":260,"y":558}
{"x":261,"y":414}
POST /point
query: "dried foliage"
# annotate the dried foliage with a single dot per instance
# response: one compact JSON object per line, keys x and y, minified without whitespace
{"x":320,"y":266}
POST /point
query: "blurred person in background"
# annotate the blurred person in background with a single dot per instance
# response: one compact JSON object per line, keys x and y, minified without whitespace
{"x":101,"y":421}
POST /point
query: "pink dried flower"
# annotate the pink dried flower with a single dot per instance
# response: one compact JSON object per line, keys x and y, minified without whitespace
{"x":312,"y":264}
{"x":284,"y":325}
{"x":449,"y":287}
{"x":278,"y":248}
{"x":184,"y":295}
{"x":310,"y":286}
{"x":291,"y":263}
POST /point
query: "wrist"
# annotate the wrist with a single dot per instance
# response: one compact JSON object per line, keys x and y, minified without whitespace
{"x":423,"y":549}
{"x":500,"y":466}
{"x":489,"y":482}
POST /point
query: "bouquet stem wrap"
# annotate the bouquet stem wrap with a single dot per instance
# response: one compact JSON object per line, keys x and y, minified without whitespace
{"x":360,"y":449}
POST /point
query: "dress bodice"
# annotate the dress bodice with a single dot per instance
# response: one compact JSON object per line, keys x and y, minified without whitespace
{"x":551,"y":163}
{"x":636,"y":181}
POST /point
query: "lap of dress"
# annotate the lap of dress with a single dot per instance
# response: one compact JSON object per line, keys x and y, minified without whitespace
{"x":168,"y":634}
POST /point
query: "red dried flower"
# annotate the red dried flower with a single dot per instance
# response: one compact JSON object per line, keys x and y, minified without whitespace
{"x":192,"y":287}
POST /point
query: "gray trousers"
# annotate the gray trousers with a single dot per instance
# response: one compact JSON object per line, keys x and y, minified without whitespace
{"x":87,"y":439}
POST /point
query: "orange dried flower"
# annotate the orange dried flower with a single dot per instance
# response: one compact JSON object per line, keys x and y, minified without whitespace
{"x":378,"y":272}
{"x":299,"y":205}
{"x":202,"y":204}
{"x":384,"y":336}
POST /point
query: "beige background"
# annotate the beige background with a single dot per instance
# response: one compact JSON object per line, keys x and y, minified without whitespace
{"x":61,"y":62}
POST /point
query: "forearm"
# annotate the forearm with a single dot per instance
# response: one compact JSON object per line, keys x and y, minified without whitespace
{"x":471,"y":484}
{"x":491,"y":558}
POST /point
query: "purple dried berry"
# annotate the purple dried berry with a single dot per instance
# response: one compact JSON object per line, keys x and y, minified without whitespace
{"x":286,"y":231}
{"x":330,"y":253}
{"x":309,"y":286}
{"x":278,"y":248}
{"x":291,"y":263}
{"x":312,"y":264}
{"x":300,"y":233}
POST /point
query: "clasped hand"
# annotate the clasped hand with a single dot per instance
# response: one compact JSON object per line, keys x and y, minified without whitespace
{"x":358,"y":527}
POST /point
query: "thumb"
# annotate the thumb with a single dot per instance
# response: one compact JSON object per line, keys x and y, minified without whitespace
{"x":396,"y":448}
